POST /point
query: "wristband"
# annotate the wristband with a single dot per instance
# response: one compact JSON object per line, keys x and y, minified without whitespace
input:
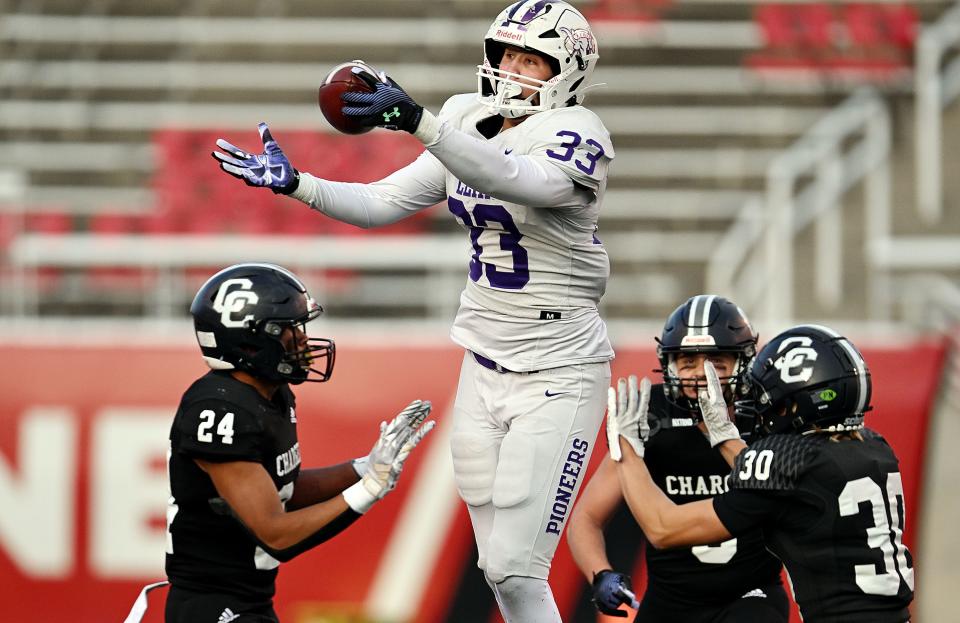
{"x":358,"y":497}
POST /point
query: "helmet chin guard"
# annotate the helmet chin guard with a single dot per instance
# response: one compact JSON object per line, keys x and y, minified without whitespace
{"x":551,"y":29}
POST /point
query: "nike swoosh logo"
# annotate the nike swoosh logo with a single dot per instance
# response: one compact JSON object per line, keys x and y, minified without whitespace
{"x":507,"y":152}
{"x":549,"y":395}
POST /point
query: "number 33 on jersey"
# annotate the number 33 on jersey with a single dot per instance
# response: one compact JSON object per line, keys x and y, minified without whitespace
{"x":533,"y":262}
{"x":517,"y":246}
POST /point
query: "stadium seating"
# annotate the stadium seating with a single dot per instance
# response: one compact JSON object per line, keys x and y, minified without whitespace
{"x":114,"y":107}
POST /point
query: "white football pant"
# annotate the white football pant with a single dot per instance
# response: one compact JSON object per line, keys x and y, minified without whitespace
{"x":521,"y":444}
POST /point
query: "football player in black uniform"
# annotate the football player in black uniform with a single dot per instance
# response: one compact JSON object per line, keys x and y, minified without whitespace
{"x":736,"y":580}
{"x":825,"y":491}
{"x":240,"y":504}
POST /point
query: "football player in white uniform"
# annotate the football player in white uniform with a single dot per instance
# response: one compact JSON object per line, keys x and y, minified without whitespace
{"x":523,"y":168}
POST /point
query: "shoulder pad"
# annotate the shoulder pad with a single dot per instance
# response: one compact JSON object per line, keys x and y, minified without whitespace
{"x":662,"y":415}
{"x":573,"y":119}
{"x":194,"y":413}
{"x":774,"y":463}
{"x":573,"y":139}
{"x":458,"y":105}
{"x":221,"y":395}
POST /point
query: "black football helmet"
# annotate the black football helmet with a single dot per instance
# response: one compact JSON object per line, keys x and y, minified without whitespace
{"x":705,"y":324}
{"x":807,"y":378}
{"x":240,"y":315}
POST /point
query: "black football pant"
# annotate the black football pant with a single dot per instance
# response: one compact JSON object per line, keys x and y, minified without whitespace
{"x":190,"y":607}
{"x":771,"y":608}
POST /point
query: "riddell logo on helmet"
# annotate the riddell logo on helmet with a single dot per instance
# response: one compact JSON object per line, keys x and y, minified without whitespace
{"x":698,"y":340}
{"x":506,"y":34}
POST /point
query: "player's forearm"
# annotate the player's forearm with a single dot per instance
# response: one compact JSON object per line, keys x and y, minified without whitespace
{"x":290,"y":533}
{"x":485,"y":167}
{"x":321,"y":484}
{"x":284,"y":534}
{"x":648,"y":504}
{"x":664,"y":523}
{"x":587,"y":545}
{"x":357,"y":204}
{"x":599,"y":500}
{"x":730,"y":449}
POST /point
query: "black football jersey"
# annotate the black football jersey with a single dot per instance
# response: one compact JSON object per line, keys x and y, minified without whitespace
{"x":221,"y":419}
{"x":833,"y":511}
{"x":682,"y":463}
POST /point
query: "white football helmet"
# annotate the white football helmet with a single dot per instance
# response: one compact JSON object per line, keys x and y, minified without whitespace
{"x":556,"y":31}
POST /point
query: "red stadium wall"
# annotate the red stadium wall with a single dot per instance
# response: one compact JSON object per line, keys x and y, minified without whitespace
{"x":83,"y":489}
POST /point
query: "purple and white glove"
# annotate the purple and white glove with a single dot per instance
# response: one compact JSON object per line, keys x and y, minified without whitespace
{"x":271,"y":169}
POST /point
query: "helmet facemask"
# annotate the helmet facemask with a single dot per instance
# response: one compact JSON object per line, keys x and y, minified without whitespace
{"x":506,"y":90}
{"x":674,"y":385}
{"x":312,"y":363}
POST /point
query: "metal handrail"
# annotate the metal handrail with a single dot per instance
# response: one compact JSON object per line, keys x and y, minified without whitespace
{"x":935,"y":90}
{"x":825,"y":153}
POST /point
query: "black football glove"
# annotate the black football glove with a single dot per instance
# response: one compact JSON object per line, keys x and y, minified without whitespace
{"x":271,"y":169}
{"x":610,"y":591}
{"x":388,"y":106}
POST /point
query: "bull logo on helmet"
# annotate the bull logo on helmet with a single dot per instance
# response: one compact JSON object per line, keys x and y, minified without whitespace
{"x":578,"y":42}
{"x":792,"y":364}
{"x":229,"y":302}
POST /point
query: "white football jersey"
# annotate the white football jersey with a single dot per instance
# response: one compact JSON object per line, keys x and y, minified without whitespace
{"x":537,"y":274}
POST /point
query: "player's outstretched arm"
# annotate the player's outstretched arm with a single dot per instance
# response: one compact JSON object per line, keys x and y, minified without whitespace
{"x":270,"y":169}
{"x":721,"y":430}
{"x":419,"y":185}
{"x":248,"y":494}
{"x":519,"y":179}
{"x":664,"y":523}
{"x":597,"y":503}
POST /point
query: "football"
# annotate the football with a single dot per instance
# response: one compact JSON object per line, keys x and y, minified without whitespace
{"x":340,"y":80}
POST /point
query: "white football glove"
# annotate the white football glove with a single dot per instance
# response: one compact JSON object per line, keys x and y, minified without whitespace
{"x":627,"y":415}
{"x":713,"y":407}
{"x":385,"y":461}
{"x":397,"y":466}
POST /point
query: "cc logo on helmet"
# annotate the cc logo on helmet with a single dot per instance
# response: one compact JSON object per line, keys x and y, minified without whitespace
{"x":792,"y":364}
{"x":229,"y":302}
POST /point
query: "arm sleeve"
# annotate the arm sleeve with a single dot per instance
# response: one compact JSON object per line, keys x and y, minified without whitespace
{"x":531,"y":180}
{"x":343,"y":521}
{"x":742,"y":510}
{"x":419,"y":185}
